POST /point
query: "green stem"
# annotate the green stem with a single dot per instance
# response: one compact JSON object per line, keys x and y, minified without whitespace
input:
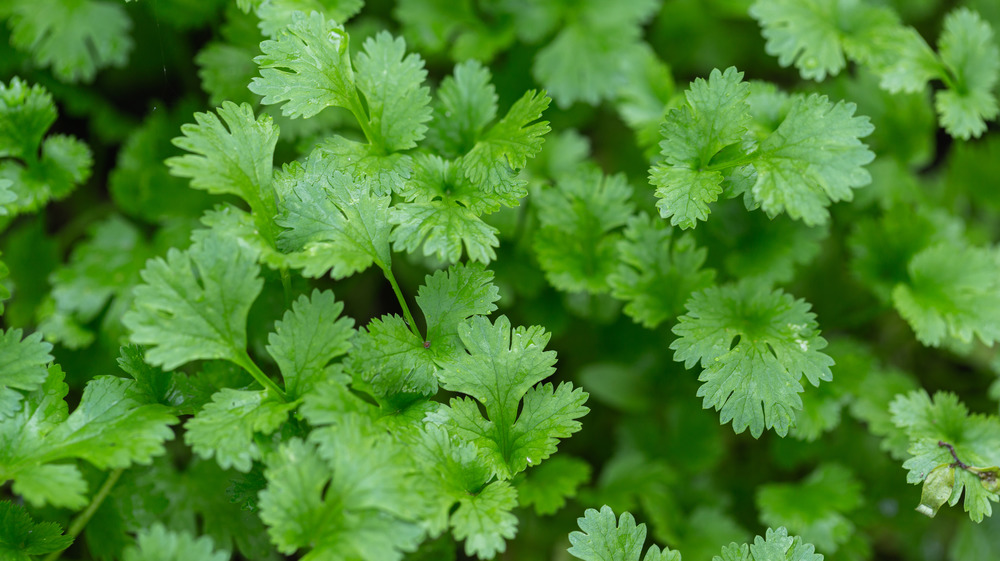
{"x":359,"y":114}
{"x":402,"y":302}
{"x":250,"y":366}
{"x":731,"y":163}
{"x":80,"y":522}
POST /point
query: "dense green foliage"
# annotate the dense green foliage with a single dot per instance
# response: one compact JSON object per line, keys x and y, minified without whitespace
{"x":349,"y":281}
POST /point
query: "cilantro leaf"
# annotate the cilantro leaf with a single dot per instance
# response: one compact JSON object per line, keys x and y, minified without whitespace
{"x":193,"y":304}
{"x":307,"y":66}
{"x":452,"y":473}
{"x":225,"y":427}
{"x":112,"y":427}
{"x":346,"y":494}
{"x":810,"y":156}
{"x":333,"y":223}
{"x":602,"y":539}
{"x":815,"y":35}
{"x":23,"y":366}
{"x":398,"y":103}
{"x":276,"y":14}
{"x":466,"y":103}
{"x":307,"y":338}
{"x":159,"y":544}
{"x":656,"y":271}
{"x":235,"y":158}
{"x":35,"y":170}
{"x":506,"y":147}
{"x":813,"y":158}
{"x":575,"y":244}
{"x":754,"y":346}
{"x":933,"y":426}
{"x":952,"y":292}
{"x":442,"y":211}
{"x":101,"y":269}
{"x":74,"y":39}
{"x":449,"y":297}
{"x":21,"y":537}
{"x":585,"y":61}
{"x":395,"y":366}
{"x":776,"y":546}
{"x":716,"y":115}
{"x":815,"y":508}
{"x":549,"y":485}
{"x":500,"y":370}
{"x":970,"y":54}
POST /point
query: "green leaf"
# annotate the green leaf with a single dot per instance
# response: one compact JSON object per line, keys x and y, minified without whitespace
{"x":350,"y":498}
{"x":398,"y":103}
{"x":776,"y":546}
{"x":453,"y":474}
{"x":28,"y":112}
{"x":193,"y":305}
{"x":969,"y":52}
{"x":307,"y":338}
{"x":23,"y":366}
{"x":576,"y":245}
{"x":114,"y":426}
{"x":102,"y":268}
{"x":276,"y":14}
{"x":813,"y":158}
{"x":549,"y":485}
{"x":73,"y":38}
{"x":602,"y":539}
{"x":484,"y":520}
{"x":21,"y":537}
{"x":506,"y":147}
{"x":715,"y":116}
{"x":232,"y":158}
{"x":932,"y":426}
{"x":307,"y":66}
{"x":467,"y":103}
{"x":656,"y":271}
{"x":938,"y":487}
{"x":501,"y":369}
{"x":159,"y":544}
{"x":754,"y":346}
{"x":332,"y":222}
{"x":225,"y":428}
{"x":36,"y":170}
{"x":816,"y":508}
{"x":449,"y":297}
{"x":815,"y":35}
{"x":951,"y":292}
{"x":442,"y":213}
{"x":586,"y":59}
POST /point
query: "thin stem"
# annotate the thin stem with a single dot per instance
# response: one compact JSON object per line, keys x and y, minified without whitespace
{"x":80,"y":522}
{"x":402,"y":302}
{"x":250,"y":366}
{"x":359,"y":114}
{"x":731,"y":163}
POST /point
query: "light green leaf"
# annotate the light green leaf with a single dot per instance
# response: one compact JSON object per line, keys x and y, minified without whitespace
{"x":398,"y":102}
{"x":969,"y":52}
{"x":467,"y":102}
{"x":307,"y":66}
{"x":73,"y":38}
{"x":21,"y":537}
{"x":332,"y":222}
{"x":193,"y":305}
{"x":754,"y":345}
{"x":715,"y":116}
{"x":549,"y":485}
{"x":602,"y":539}
{"x":952,"y":291}
{"x":225,"y":428}
{"x":159,"y":544}
{"x":23,"y":366}
{"x":277,"y":14}
{"x":307,"y":338}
